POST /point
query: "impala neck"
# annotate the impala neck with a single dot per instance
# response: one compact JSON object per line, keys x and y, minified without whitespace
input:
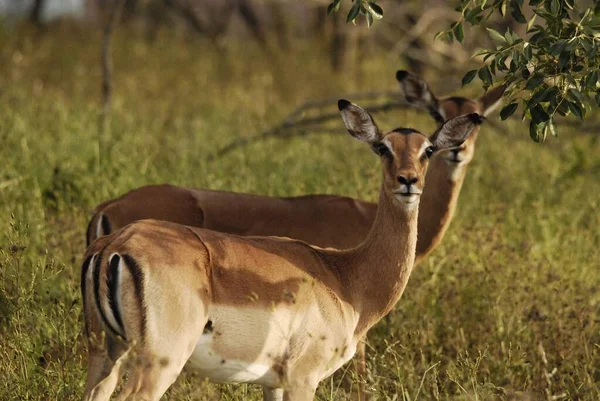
{"x":438,"y":202}
{"x":379,"y":268}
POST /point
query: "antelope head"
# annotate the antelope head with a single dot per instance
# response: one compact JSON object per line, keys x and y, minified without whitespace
{"x":405,"y":152}
{"x":419,"y":95}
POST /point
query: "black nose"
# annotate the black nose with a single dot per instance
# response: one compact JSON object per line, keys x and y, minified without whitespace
{"x":407,"y":180}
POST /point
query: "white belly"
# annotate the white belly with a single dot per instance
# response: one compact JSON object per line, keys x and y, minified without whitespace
{"x":208,"y":363}
{"x":265,"y":346}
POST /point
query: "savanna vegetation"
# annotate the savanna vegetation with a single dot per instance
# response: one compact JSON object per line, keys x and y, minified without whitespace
{"x":506,"y":308}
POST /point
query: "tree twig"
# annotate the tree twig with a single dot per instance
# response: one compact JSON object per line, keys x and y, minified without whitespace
{"x":304,"y":126}
{"x":115,"y":13}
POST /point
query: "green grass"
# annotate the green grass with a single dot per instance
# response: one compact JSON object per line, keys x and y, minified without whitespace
{"x":512,"y":293}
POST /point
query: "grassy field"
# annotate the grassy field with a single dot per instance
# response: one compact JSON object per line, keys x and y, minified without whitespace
{"x":507,"y":307}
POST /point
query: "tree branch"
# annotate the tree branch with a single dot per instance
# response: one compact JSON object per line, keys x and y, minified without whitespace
{"x":291,"y":126}
{"x":115,"y":13}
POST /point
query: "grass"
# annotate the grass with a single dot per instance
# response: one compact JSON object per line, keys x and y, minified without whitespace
{"x":506,"y":308}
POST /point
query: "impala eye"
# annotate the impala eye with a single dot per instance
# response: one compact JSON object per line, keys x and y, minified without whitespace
{"x":381,"y":149}
{"x":429,"y":151}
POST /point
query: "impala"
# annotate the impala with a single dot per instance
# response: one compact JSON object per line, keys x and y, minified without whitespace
{"x":271,"y":311}
{"x":323,"y":220}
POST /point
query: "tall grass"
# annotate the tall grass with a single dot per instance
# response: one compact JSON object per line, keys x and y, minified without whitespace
{"x":507,"y":307}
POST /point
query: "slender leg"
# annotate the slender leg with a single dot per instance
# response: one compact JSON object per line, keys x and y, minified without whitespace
{"x":272,"y":394}
{"x":361,"y":369}
{"x":300,"y":393}
{"x":149,"y":383}
{"x":103,"y":375}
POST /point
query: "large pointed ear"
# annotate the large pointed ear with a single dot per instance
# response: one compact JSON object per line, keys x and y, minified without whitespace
{"x":416,"y":91}
{"x":455,"y":131}
{"x":491,"y":100}
{"x":359,"y":122}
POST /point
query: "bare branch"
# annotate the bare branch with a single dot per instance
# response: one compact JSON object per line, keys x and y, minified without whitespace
{"x":293,"y":127}
{"x":115,"y":13}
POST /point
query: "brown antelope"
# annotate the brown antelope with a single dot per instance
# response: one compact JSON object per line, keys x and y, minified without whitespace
{"x":323,"y":220}
{"x":271,"y":311}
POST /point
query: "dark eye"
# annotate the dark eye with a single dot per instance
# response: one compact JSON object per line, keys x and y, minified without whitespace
{"x":381,"y":149}
{"x":429,"y":151}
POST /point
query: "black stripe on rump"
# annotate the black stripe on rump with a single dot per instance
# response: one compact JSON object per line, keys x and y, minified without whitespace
{"x":138,"y":285}
{"x":88,"y":233}
{"x":84,"y":271}
{"x":97,"y":293}
{"x":105,"y":225}
{"x":112,"y":281}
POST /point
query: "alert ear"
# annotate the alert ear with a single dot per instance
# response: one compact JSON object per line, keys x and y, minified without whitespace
{"x":455,"y":131}
{"x":417,"y":94}
{"x":359,"y":123}
{"x":491,"y":100}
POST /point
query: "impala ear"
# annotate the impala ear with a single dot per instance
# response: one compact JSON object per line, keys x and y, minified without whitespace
{"x":491,"y":100}
{"x":359,"y":122}
{"x":455,"y":131}
{"x":418,"y":94}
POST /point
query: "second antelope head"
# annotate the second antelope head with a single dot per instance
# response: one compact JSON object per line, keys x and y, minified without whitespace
{"x":419,"y":95}
{"x":405,"y":152}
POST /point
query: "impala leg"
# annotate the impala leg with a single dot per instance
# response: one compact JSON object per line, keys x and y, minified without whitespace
{"x":103,"y":375}
{"x":300,"y":393}
{"x":361,"y":369}
{"x":149,"y":383}
{"x":272,"y":394}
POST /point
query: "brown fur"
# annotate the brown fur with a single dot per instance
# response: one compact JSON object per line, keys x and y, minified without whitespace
{"x":297,"y":309}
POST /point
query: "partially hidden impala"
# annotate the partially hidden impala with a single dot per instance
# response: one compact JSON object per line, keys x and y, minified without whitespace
{"x":271,"y":311}
{"x":323,"y":220}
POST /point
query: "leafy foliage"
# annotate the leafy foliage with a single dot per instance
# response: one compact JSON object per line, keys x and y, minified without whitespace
{"x":369,"y":9}
{"x":552,"y":70}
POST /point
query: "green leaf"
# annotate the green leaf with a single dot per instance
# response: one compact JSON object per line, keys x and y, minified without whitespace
{"x":531,"y":22}
{"x":469,"y":76}
{"x":496,"y":35}
{"x":534,"y":81}
{"x":517,"y":13}
{"x":354,"y":11}
{"x":552,"y":127}
{"x":591,"y":80}
{"x":485,"y":75}
{"x":369,"y":20}
{"x":576,"y":109}
{"x":550,"y":94}
{"x":508,"y":110}
{"x":458,"y":32}
{"x":375,"y":10}
{"x":334,"y":6}
{"x":538,"y":114}
{"x":471,"y":15}
{"x":557,"y":47}
{"x":527,"y":51}
{"x":598,"y":98}
{"x":537,"y":97}
{"x":534,"y":133}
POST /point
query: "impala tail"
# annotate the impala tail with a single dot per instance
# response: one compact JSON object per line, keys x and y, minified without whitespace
{"x":112,"y":283}
{"x":98,"y":226}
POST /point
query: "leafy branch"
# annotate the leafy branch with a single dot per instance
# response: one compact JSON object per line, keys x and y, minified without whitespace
{"x":370,"y":9}
{"x":552,"y":70}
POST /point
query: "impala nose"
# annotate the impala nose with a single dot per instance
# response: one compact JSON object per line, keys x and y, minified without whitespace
{"x":407,"y":180}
